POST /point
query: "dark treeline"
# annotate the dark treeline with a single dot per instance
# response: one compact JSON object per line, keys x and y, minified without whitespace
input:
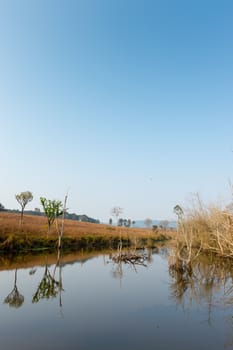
{"x":38,"y":212}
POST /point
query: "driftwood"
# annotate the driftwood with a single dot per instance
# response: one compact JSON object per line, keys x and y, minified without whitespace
{"x":130,"y":258}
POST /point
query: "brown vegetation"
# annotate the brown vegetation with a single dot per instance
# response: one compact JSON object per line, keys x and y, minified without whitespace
{"x":33,"y":234}
{"x":204,"y":229}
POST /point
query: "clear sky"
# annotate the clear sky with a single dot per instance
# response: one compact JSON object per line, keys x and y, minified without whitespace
{"x":123,"y":102}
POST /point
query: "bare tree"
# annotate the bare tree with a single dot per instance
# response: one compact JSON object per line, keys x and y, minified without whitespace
{"x":116,"y":211}
{"x":164,"y":224}
{"x":23,"y":199}
{"x":148,"y":222}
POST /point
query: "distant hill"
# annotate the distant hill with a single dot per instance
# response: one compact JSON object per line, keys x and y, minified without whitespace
{"x":83,"y":218}
{"x":68,"y":216}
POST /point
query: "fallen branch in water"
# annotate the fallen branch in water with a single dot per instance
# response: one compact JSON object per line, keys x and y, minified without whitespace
{"x":130,"y":258}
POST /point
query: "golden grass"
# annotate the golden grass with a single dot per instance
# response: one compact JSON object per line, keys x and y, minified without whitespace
{"x":208,"y":228}
{"x":9,"y":223}
{"x":33,"y":232}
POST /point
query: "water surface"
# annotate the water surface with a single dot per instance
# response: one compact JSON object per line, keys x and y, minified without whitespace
{"x":93,"y":303}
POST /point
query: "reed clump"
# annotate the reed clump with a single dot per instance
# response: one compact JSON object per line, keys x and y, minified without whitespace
{"x":206,"y":229}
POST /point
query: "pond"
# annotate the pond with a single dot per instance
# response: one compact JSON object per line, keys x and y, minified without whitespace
{"x":86,"y":301}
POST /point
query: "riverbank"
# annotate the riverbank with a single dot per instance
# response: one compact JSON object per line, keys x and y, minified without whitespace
{"x":32,"y":235}
{"x":202,"y":230}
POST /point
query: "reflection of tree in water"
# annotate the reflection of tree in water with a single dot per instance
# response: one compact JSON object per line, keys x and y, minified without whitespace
{"x":206,"y":280}
{"x":49,"y":287}
{"x":32,"y":271}
{"x":229,"y":337}
{"x":14,"y":299}
{"x":117,"y":271}
{"x":201,"y":278}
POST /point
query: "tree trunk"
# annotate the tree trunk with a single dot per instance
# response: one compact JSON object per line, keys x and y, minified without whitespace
{"x":21,"y":217}
{"x":49,"y":226}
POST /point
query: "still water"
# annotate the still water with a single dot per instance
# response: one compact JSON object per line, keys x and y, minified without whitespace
{"x":86,"y":301}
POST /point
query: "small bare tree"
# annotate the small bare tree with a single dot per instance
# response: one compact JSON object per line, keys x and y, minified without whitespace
{"x":23,"y":199}
{"x":164,"y":224}
{"x":116,"y":211}
{"x":148,"y":222}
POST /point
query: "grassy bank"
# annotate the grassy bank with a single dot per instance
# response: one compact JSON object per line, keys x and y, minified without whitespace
{"x":205,"y":229}
{"x":32,"y":235}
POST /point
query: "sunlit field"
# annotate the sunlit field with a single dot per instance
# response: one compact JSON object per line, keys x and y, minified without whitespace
{"x":32,"y":233}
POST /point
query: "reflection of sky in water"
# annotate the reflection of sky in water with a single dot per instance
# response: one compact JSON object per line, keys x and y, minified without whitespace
{"x":100,"y":311}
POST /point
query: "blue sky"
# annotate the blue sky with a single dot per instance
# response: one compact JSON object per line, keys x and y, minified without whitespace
{"x":125,"y":103}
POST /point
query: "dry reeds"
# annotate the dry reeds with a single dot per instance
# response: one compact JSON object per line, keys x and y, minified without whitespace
{"x":205,"y":229}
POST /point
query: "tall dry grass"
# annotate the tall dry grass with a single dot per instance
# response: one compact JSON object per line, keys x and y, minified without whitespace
{"x":205,"y":228}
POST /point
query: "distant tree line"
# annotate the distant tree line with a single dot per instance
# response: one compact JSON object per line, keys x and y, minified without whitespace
{"x":2,"y":208}
{"x":69,"y":216}
{"x":123,"y":222}
{"x":163,"y":224}
{"x":115,"y":212}
{"x":83,"y":218}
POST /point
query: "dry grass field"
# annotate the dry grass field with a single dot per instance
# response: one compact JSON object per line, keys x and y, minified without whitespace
{"x":33,"y":233}
{"x":9,"y":223}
